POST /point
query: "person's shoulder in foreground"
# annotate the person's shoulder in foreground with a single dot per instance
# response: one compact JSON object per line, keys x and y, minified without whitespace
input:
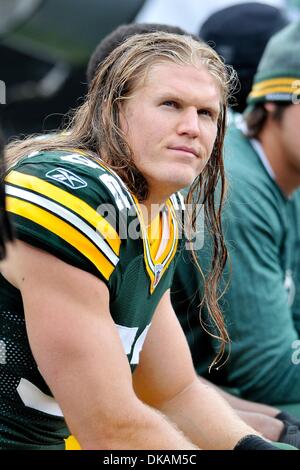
{"x":6,"y":232}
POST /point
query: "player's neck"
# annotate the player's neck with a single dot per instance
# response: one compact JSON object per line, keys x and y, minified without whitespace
{"x":287,"y":177}
{"x":150,"y":210}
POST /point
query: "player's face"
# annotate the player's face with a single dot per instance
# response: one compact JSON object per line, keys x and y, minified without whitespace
{"x":171,"y":125}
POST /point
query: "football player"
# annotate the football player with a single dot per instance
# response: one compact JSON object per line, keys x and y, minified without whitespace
{"x":89,"y":339}
{"x":186,"y":295}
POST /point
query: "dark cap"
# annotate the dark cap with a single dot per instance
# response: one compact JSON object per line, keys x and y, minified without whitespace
{"x":278,"y":75}
{"x":240,"y":34}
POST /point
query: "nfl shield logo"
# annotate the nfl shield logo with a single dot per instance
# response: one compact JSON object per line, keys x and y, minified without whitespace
{"x":157,"y":274}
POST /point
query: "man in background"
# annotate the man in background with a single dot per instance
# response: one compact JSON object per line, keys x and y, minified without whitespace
{"x":262,"y":227}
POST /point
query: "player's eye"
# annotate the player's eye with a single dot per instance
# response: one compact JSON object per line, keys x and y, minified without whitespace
{"x":170,"y":104}
{"x":205,"y":112}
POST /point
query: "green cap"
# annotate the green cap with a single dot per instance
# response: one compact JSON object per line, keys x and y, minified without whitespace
{"x":278,"y":74}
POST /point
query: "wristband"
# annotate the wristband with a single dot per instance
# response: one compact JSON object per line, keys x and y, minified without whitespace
{"x":290,"y":435}
{"x":253,"y":442}
{"x":283,"y":416}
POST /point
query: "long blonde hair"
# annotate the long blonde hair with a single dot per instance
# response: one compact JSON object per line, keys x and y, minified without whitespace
{"x":95,"y":128}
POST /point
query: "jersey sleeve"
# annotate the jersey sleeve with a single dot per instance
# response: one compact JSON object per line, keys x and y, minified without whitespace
{"x":58,"y":203}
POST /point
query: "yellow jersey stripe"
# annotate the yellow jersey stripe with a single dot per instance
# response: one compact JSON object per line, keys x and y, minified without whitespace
{"x":173,"y":239}
{"x":161,"y":265}
{"x":154,"y":232}
{"x":69,"y":201}
{"x":63,"y":230}
{"x":65,"y":214}
{"x":175,"y":234}
{"x":271,"y":90}
{"x":275,"y":81}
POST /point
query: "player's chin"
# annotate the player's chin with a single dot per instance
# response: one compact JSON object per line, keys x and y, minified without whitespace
{"x":183,"y":180}
{"x":186,"y":175}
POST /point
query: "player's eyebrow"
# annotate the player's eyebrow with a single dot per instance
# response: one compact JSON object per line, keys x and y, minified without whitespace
{"x":169,"y":95}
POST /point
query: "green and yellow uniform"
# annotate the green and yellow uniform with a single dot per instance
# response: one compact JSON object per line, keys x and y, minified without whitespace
{"x":74,"y":207}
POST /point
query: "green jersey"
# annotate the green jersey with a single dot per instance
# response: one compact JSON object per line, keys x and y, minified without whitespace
{"x":74,"y":207}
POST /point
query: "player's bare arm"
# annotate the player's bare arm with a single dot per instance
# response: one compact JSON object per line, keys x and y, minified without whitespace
{"x":166,"y":380}
{"x":85,"y":366}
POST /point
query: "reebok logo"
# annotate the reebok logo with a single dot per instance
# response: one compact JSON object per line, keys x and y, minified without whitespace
{"x":67,"y":178}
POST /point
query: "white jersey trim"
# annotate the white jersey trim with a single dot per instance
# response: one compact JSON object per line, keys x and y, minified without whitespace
{"x":34,"y":398}
{"x":66,"y":215}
